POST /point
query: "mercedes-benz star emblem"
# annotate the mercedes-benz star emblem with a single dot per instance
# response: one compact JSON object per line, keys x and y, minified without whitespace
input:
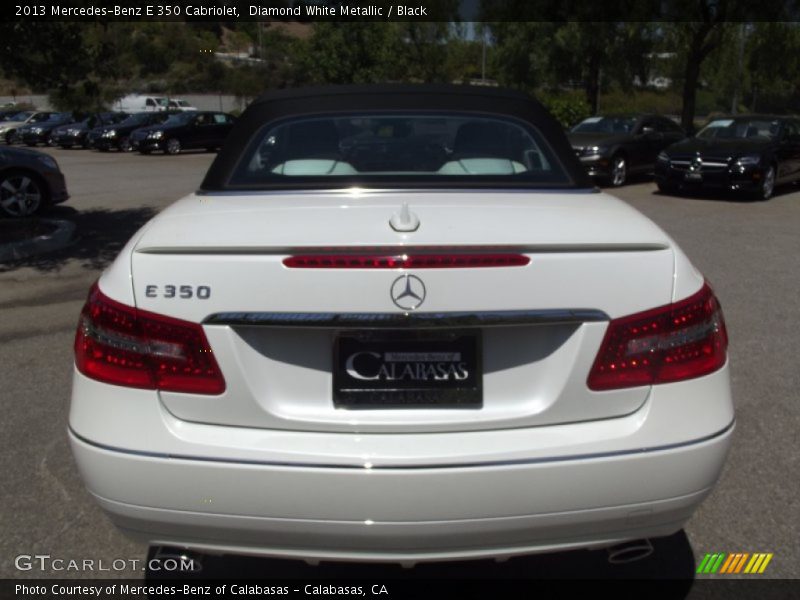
{"x":408,"y":292}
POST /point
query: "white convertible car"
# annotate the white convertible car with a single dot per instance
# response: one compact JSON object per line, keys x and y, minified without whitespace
{"x":398,"y":323}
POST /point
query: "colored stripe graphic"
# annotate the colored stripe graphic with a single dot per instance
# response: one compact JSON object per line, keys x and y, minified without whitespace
{"x":736,"y":562}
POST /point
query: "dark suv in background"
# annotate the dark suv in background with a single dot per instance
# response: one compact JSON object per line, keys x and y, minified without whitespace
{"x":33,"y":134}
{"x":118,"y":135}
{"x":76,"y":134}
{"x":747,"y":154}
{"x":614,"y":147}
{"x":185,"y":130}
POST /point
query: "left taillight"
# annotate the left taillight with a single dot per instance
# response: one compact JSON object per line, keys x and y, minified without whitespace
{"x":122,"y":345}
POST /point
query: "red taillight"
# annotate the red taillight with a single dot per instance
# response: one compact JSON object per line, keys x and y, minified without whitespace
{"x":125,"y":346}
{"x":404,"y":261}
{"x":671,"y":343}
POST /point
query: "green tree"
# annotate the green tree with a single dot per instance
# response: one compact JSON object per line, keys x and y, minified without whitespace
{"x":76,"y":63}
{"x":357,"y":52}
{"x":773,"y":63}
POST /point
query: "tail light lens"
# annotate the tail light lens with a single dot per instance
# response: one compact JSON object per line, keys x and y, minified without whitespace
{"x":671,"y":343}
{"x":125,"y":346}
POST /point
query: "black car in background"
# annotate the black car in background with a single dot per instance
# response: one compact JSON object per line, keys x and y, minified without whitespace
{"x":746,"y":154}
{"x":118,"y":135}
{"x":76,"y":134}
{"x":613,"y":147}
{"x":42,"y":132}
{"x":195,"y":129}
{"x":30,"y":182}
{"x":10,"y":126}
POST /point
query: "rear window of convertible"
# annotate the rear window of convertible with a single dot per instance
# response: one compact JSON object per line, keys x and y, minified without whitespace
{"x":407,"y":148}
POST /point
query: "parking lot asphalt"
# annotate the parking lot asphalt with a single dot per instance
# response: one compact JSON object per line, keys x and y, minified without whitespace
{"x":749,"y":251}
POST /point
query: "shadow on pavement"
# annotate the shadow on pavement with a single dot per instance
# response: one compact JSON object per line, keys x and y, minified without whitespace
{"x":99,"y":236}
{"x":672,"y":558}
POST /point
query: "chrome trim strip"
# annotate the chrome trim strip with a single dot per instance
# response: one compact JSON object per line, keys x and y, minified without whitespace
{"x":521,"y":248}
{"x":374,"y":467}
{"x":369,"y":190}
{"x":403,"y":320}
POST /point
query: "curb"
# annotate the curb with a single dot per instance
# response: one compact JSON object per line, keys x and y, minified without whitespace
{"x":60,"y":237}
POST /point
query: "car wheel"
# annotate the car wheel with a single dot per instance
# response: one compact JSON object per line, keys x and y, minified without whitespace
{"x":767,"y":186}
{"x":173,"y":146}
{"x":619,"y":171}
{"x":125,"y":144}
{"x":11,"y":137}
{"x":21,"y":195}
{"x":144,"y":151}
{"x":51,"y":141}
{"x":66,"y":146}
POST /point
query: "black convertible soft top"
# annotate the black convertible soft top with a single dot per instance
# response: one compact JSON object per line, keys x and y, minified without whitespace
{"x":328,"y":100}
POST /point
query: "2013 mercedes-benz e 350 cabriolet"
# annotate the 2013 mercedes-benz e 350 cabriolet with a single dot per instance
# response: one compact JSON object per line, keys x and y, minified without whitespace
{"x":399,"y":324}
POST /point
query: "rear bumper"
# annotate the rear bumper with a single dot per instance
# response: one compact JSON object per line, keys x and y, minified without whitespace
{"x":148,"y":145}
{"x":401,"y":497}
{"x":597,"y":166}
{"x":57,"y":185}
{"x":68,"y":139}
{"x":729,"y":179}
{"x":401,"y":515}
{"x":35,"y":138}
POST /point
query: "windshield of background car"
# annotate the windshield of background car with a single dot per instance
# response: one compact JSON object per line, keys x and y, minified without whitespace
{"x":178,"y":119}
{"x":406,"y":148}
{"x":23,"y":116}
{"x":136,"y":119}
{"x":606,"y":125}
{"x":740,"y":129}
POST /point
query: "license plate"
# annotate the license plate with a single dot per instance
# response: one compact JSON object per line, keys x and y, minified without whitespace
{"x":694,"y":177}
{"x":407,"y":370}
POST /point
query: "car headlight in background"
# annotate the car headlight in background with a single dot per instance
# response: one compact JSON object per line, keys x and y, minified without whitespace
{"x":593,"y":150}
{"x":110,"y":133}
{"x":48,"y":161}
{"x":36,"y":130}
{"x":749,"y":160}
{"x":155,"y":135}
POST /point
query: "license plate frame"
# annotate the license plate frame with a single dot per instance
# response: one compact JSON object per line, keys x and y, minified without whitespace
{"x":404,"y":358}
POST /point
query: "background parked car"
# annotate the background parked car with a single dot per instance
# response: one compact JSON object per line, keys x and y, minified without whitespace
{"x":195,"y":129}
{"x":30,"y":182}
{"x":6,"y":114}
{"x":41,"y":132}
{"x":141,"y":103}
{"x":179,"y":104}
{"x":8,"y":128}
{"x":747,"y":154}
{"x":76,"y":134}
{"x":613,"y":147}
{"x":117,"y":136}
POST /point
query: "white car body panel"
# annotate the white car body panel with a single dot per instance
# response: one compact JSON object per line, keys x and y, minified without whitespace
{"x":273,"y":466}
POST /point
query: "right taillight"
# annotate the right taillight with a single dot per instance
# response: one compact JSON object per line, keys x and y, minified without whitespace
{"x":120,"y":344}
{"x":671,"y":343}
